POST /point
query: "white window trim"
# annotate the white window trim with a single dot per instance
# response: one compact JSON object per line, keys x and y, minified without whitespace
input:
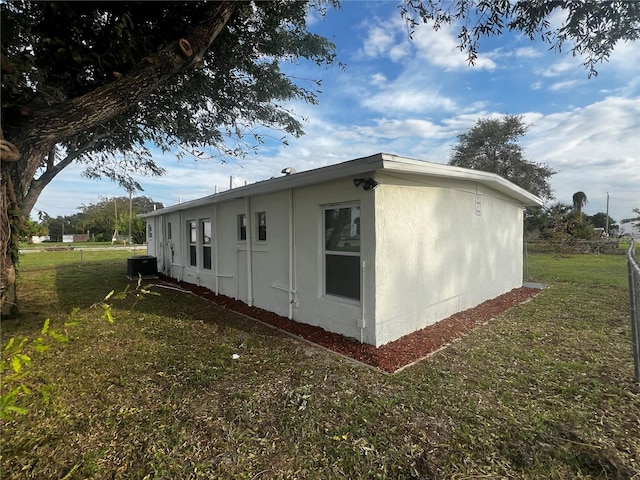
{"x":189,"y":223}
{"x":323,"y":241}
{"x":257,"y":240}
{"x":200,"y":243}
{"x":238,"y":227}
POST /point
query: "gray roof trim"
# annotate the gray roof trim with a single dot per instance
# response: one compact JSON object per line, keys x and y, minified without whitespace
{"x":359,"y":166}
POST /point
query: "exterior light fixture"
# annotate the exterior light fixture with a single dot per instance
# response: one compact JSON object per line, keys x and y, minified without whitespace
{"x":367,"y":184}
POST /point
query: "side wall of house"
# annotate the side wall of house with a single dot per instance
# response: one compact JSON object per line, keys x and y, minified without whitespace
{"x":443,"y":246}
{"x":270,"y":259}
{"x":313,"y":305}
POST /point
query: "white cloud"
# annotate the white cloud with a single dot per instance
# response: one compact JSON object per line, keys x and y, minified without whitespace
{"x":558,"y":68}
{"x":595,"y":149}
{"x":378,"y":79}
{"x":378,"y":43}
{"x":527,"y":52}
{"x":405,"y":97}
{"x":565,"y":85}
{"x":440,"y":48}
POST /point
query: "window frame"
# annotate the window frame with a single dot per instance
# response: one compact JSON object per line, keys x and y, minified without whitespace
{"x":206,"y":243}
{"x":242,"y":227}
{"x":261,"y":230}
{"x":192,"y":242}
{"x":327,"y":252}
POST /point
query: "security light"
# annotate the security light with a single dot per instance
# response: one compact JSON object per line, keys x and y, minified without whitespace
{"x":367,"y":183}
{"x":370,"y":184}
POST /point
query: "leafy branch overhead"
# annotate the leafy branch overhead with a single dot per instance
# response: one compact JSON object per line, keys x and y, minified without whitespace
{"x":120,"y":80}
{"x":588,"y":28}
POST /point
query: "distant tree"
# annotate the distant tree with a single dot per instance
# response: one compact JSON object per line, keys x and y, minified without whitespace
{"x":103,"y":218}
{"x":599,"y":220}
{"x":556,"y":226}
{"x":580,"y":226}
{"x":492,"y":145}
{"x":31,"y":229}
{"x":559,"y":222}
{"x":579,"y":201}
{"x":535,"y":221}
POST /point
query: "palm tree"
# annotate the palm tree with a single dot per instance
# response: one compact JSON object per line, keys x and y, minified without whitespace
{"x":579,"y":201}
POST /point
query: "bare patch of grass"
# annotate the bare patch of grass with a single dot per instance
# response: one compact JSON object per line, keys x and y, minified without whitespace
{"x":181,"y":388}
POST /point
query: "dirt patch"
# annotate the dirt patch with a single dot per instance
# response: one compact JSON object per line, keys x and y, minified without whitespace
{"x":391,"y":356}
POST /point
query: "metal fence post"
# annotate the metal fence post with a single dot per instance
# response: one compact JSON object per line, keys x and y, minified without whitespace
{"x":634,"y":298}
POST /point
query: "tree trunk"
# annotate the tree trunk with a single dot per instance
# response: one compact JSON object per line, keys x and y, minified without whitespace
{"x":39,"y":133}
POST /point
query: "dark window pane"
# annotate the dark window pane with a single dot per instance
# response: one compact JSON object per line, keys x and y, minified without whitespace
{"x":342,"y":229}
{"x":262,"y":226}
{"x":343,"y":276}
{"x":242,"y":227}
{"x":192,"y":254}
{"x":206,"y":258}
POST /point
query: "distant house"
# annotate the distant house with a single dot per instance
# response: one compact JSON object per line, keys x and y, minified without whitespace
{"x":373,"y":248}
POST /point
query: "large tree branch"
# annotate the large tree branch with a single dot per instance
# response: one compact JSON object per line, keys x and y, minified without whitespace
{"x":30,"y":197}
{"x":61,"y":122}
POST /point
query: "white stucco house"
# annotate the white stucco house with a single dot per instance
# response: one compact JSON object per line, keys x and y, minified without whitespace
{"x":373,"y":248}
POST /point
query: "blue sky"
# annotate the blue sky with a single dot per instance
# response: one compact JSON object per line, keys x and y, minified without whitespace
{"x":413,"y":97}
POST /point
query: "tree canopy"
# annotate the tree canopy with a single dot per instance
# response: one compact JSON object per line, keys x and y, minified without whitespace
{"x":58,"y":52}
{"x":102,"y":82}
{"x":492,"y":145}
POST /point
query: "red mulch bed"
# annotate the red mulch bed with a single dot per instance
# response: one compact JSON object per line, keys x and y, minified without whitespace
{"x":391,"y":356}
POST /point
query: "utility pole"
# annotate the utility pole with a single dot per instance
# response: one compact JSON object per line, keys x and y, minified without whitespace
{"x":130,"y":217}
{"x":606,"y":230}
{"x":115,"y":226}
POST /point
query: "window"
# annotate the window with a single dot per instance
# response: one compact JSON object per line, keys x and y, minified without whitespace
{"x":242,"y":227}
{"x":205,"y":232}
{"x":168,"y":230}
{"x":150,"y":232}
{"x":193,"y":238}
{"x":261,"y":221}
{"x":342,"y":251}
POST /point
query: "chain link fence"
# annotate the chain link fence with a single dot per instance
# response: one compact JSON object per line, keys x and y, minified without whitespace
{"x":634,"y":300}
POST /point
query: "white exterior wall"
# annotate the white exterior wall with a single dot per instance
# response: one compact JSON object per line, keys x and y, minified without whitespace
{"x":270,"y":258}
{"x":435,"y":256}
{"x":424,"y":252}
{"x":348,"y":317}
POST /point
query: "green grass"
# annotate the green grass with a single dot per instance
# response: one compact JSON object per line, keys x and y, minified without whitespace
{"x":77,"y":245}
{"x":591,"y":270}
{"x":546,"y":390}
{"x":77,"y":256}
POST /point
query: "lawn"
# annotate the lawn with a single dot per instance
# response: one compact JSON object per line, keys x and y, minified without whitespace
{"x":179,"y":388}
